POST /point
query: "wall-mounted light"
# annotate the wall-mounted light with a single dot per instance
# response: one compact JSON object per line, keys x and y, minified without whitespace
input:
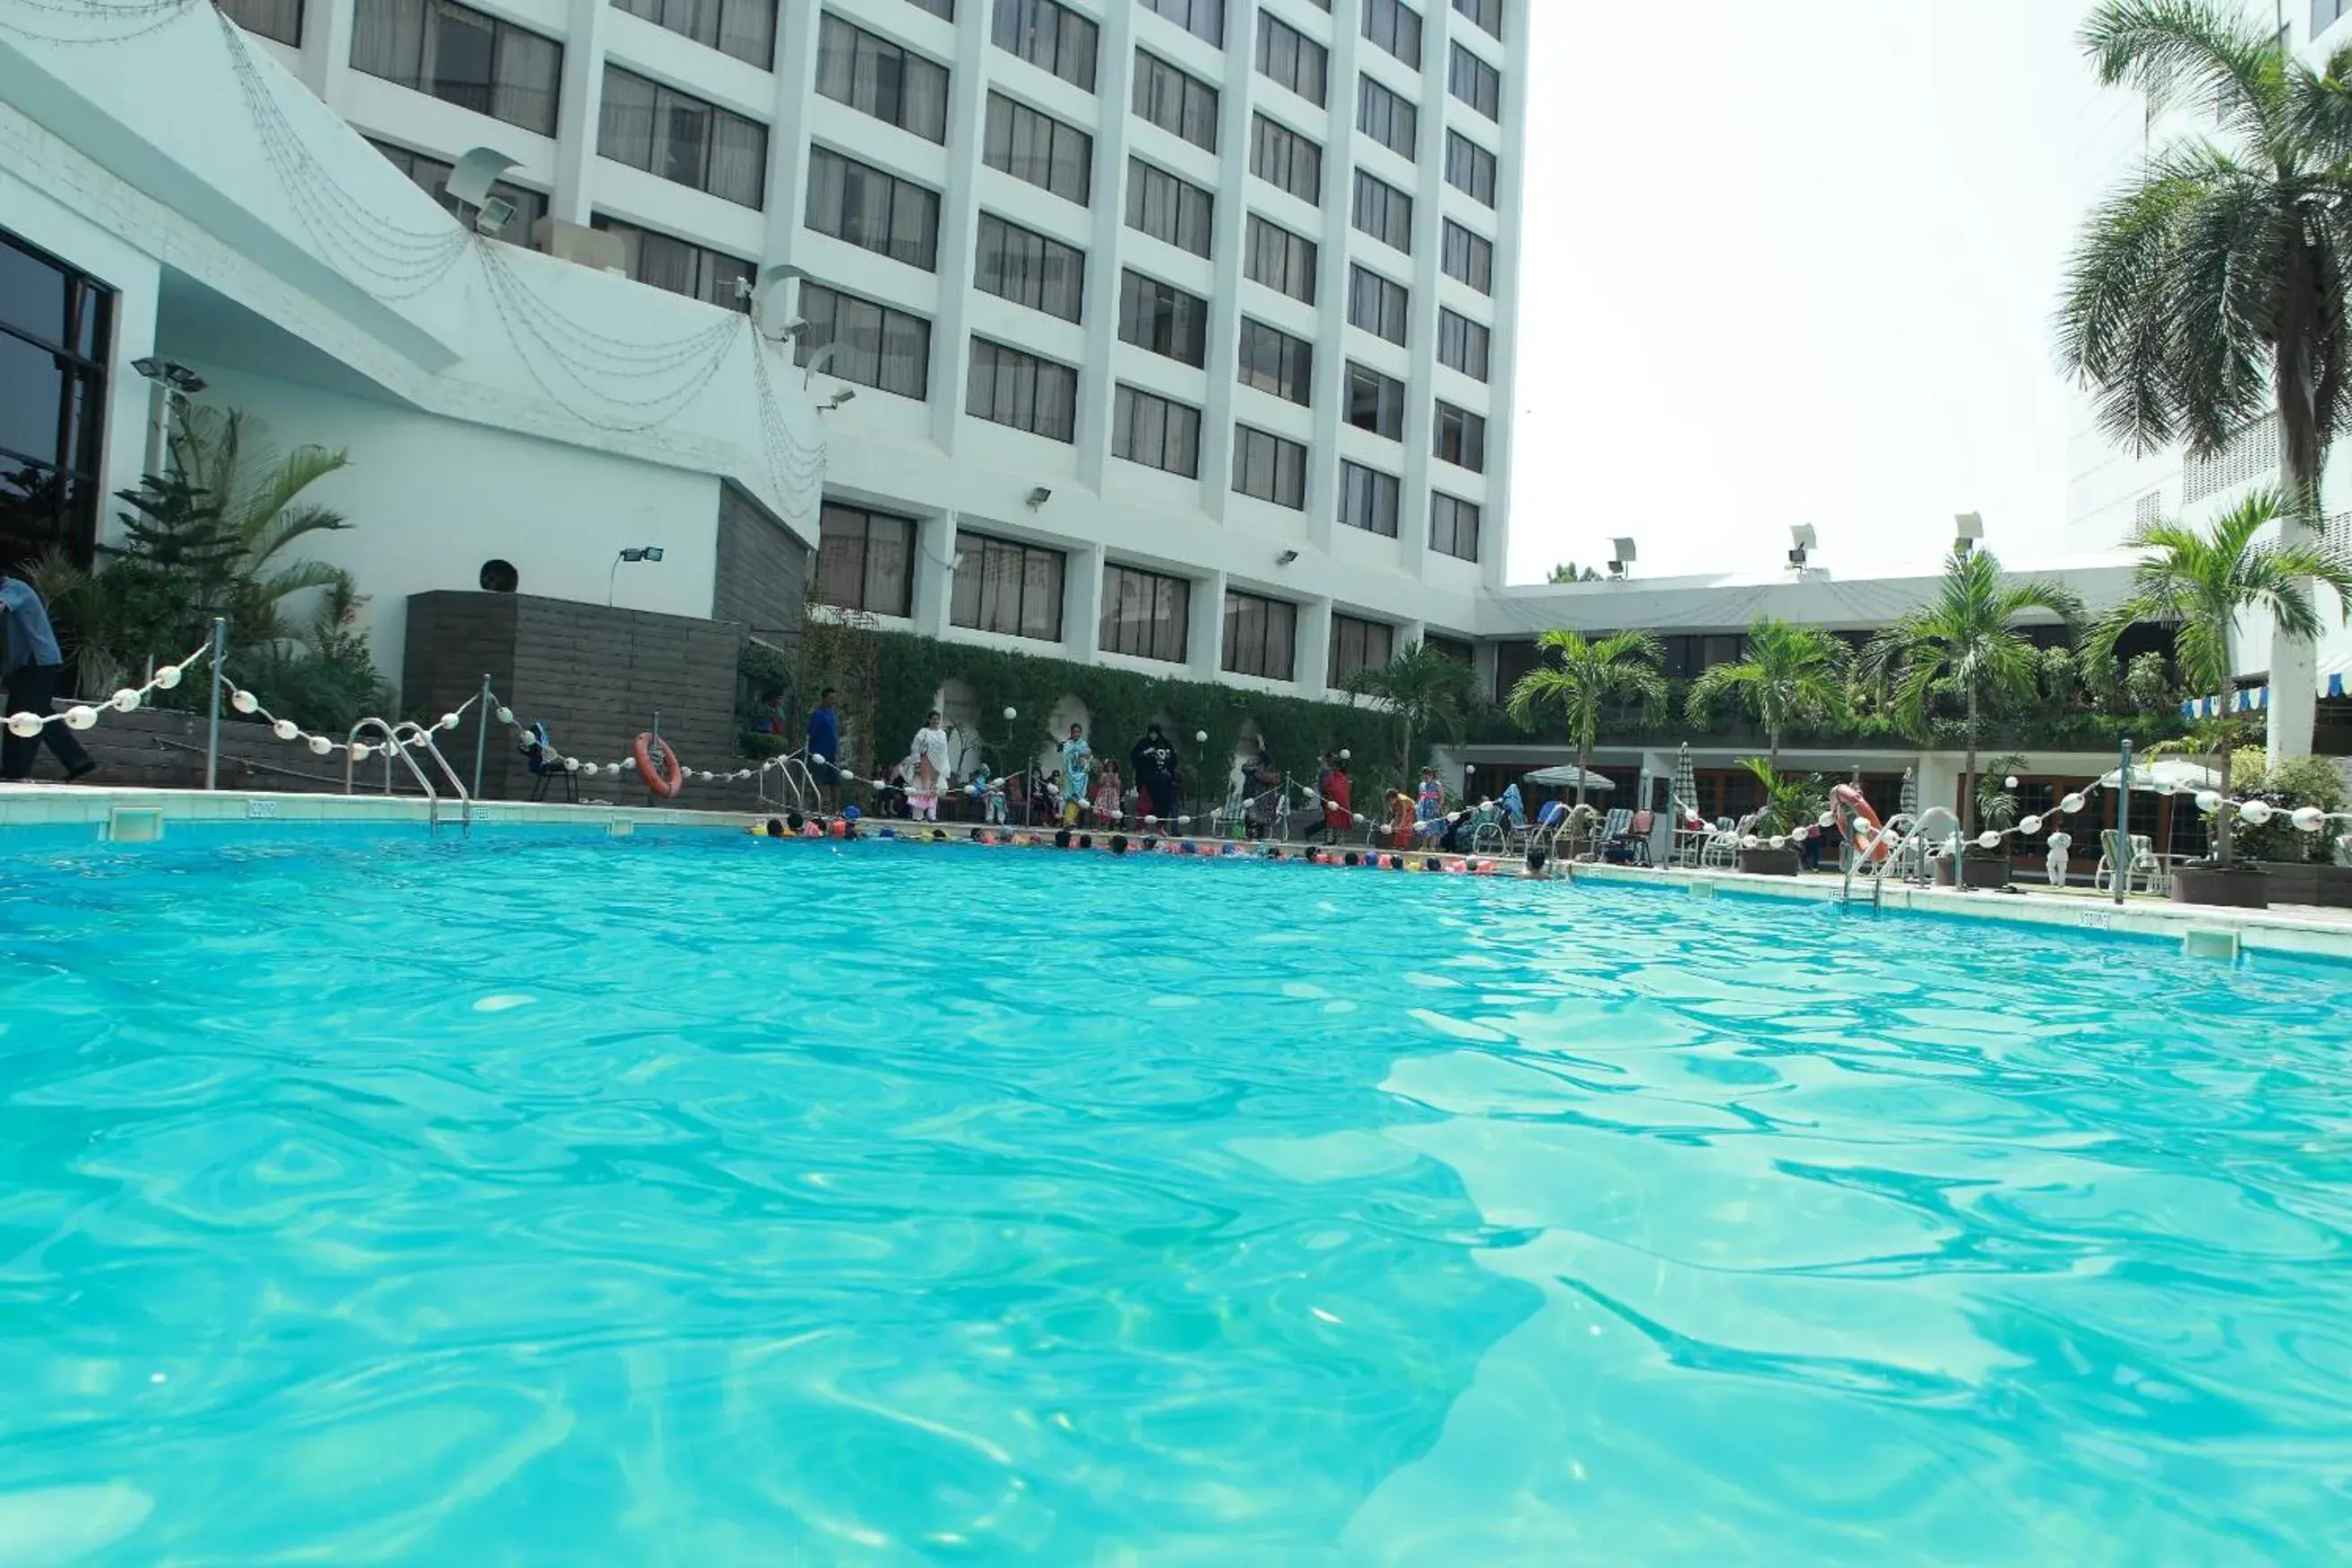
{"x":1039,"y":497}
{"x":470,"y":181}
{"x":635,"y":554}
{"x":836,"y":401}
{"x":1621,"y":557}
{"x":171,"y":375}
{"x":1968,"y":527}
{"x":1802,"y":539}
{"x":1285,"y":558}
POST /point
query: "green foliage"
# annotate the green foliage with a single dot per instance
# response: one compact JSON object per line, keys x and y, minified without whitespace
{"x":1789,"y":799}
{"x":2297,"y":781}
{"x":1792,"y":675}
{"x":1568,"y":571}
{"x":2147,"y":686}
{"x":763,"y":692}
{"x":1426,"y":690}
{"x":1996,"y":806}
{"x":327,"y":680}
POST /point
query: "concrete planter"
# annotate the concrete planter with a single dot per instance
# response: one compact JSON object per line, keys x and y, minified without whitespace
{"x":2309,"y":882}
{"x":1977,"y":869}
{"x":2239,"y":888}
{"x":1766,"y":861}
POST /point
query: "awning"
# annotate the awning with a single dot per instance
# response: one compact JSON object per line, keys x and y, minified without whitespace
{"x":2335,"y":680}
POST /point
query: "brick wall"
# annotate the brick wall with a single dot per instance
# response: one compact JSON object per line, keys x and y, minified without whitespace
{"x":762,"y":579}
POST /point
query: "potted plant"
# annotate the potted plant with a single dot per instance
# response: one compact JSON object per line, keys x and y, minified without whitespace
{"x":1997,"y":809}
{"x":2298,"y":861}
{"x":2200,"y":583}
{"x":1790,"y":804}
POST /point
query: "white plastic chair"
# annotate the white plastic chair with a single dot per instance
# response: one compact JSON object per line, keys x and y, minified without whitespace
{"x":2138,"y":859}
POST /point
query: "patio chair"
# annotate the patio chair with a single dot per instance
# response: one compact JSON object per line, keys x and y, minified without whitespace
{"x":546,"y":765}
{"x":1639,"y":836}
{"x":2132,"y":856}
{"x":1722,"y":849}
{"x":1690,"y":838}
{"x":1613,"y":828}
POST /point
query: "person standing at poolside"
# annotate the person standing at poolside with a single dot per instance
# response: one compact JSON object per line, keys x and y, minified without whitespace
{"x":1338,"y":798}
{"x":1108,"y":806}
{"x":823,"y":757}
{"x":926,"y":769}
{"x":1155,"y":762}
{"x":1077,"y":759}
{"x":32,"y":672}
{"x":1262,"y":813}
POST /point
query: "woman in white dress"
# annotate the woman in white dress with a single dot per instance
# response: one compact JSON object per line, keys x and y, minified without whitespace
{"x":926,"y":769}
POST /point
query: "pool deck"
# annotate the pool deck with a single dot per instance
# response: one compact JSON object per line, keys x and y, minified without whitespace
{"x":133,"y":815}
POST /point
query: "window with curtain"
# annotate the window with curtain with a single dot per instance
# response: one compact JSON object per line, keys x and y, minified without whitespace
{"x":1383,"y":212}
{"x":1474,"y":82}
{"x":1468,"y":257}
{"x":1261,"y":635}
{"x":1201,"y":18}
{"x":865,"y":560}
{"x":278,"y":19}
{"x":1461,"y":344}
{"x":460,"y":56}
{"x":1376,"y":304}
{"x":1388,"y":117}
{"x":882,"y":348}
{"x":1273,"y":361}
{"x":1375,"y":402}
{"x":1285,"y":160}
{"x":1469,"y":168}
{"x":1168,"y":208}
{"x":1370,"y":499}
{"x":1453,"y":526}
{"x":1396,"y":27}
{"x":743,"y":28}
{"x":1288,"y":58}
{"x":1461,"y":438}
{"x":1021,"y":390}
{"x":876,"y":77}
{"x":682,"y":139}
{"x":1156,"y":431}
{"x":1030,"y":268}
{"x":1050,"y":37}
{"x":1163,"y":319}
{"x":872,"y":208}
{"x":1278,"y":259}
{"x":1357,"y":646}
{"x":1006,"y":587}
{"x":1485,"y":14}
{"x":1175,"y":101}
{"x":667,"y":262}
{"x":1269,"y":467}
{"x":1037,"y":148}
{"x":1145,"y":615}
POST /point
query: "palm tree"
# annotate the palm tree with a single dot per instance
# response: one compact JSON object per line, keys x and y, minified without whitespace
{"x":2211,"y":288}
{"x":227,"y":456}
{"x":1581,"y":677}
{"x":1791,"y":675}
{"x":1965,"y":644}
{"x":1424,"y":687}
{"x":2200,"y":582}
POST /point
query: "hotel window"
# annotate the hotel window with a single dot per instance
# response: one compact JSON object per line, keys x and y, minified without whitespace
{"x":1201,"y":18}
{"x":1165,"y":207}
{"x":1469,"y":168}
{"x":1037,"y":148}
{"x":864,"y":561}
{"x":1358,"y":646}
{"x":1163,"y":319}
{"x":1455,"y":648}
{"x":1461,"y":344}
{"x":1028,"y":269}
{"x":1156,"y":432}
{"x":1261,"y":635}
{"x":1048,"y":35}
{"x":681,"y":139}
{"x":1386,"y":118}
{"x":1383,"y":212}
{"x":1461,"y":438}
{"x":873,"y":209}
{"x":278,"y":19}
{"x":1023,"y":391}
{"x":1288,"y":58}
{"x":1145,"y":615}
{"x":1453,"y":526}
{"x":1276,"y":361}
{"x":1396,"y":27}
{"x":1486,"y":14}
{"x":1269,"y":467}
{"x":667,"y":262}
{"x":876,"y":76}
{"x":462,"y":57}
{"x":432,"y":176}
{"x":744,"y":28}
{"x":1011,"y":589}
{"x":1176,"y":101}
{"x":888,"y":350}
{"x":1370,"y":499}
{"x":1285,"y":160}
{"x":56,"y":333}
{"x":1280,"y":259}
{"x":1375,"y":402}
{"x":1376,"y":304}
{"x":1468,"y":257}
{"x":2325,"y":14}
{"x":1474,"y":82}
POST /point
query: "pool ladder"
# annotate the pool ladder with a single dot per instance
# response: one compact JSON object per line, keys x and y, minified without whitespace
{"x":404,"y":740}
{"x":1909,"y":836}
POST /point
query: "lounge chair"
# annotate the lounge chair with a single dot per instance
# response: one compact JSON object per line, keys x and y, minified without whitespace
{"x":2140,"y":867}
{"x":546,"y":765}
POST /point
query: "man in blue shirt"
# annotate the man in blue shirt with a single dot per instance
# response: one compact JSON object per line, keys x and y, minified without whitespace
{"x":31,"y":671}
{"x":825,"y":740}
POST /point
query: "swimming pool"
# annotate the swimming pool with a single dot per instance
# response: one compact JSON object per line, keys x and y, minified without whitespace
{"x":699,"y":1199}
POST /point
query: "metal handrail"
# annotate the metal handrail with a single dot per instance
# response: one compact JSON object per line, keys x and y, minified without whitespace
{"x":409,"y":732}
{"x":392,"y":748}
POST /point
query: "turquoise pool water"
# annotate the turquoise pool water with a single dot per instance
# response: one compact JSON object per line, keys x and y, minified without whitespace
{"x":712,"y":1201}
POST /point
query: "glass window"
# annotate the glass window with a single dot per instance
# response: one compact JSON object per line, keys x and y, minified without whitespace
{"x":1455,"y":648}
{"x":667,"y":262}
{"x":1163,"y":319}
{"x":1285,"y":160}
{"x":682,"y":139}
{"x":1396,"y":27}
{"x":1474,"y":82}
{"x":1280,"y":259}
{"x":1049,"y":35}
{"x":1375,"y":402}
{"x":1385,"y":116}
{"x":1376,"y":304}
{"x":1358,"y":645}
{"x":878,"y":347}
{"x":1201,"y":18}
{"x":1469,"y":257}
{"x":1156,"y":432}
{"x":864,"y":561}
{"x":1453,"y":526}
{"x":1290,"y":58}
{"x":278,"y":19}
{"x":943,"y":9}
{"x":1461,"y":343}
{"x":56,"y":332}
{"x":873,"y":209}
{"x":1276,"y":361}
{"x":1469,"y":168}
{"x":1165,"y":207}
{"x":876,"y":76}
{"x":1269,"y":467}
{"x":461,"y":56}
{"x":1175,"y":101}
{"x":1029,"y":269}
{"x":1145,"y":615}
{"x":1370,"y":499}
{"x":1461,"y":438}
{"x":1009,"y":387}
{"x":744,"y":28}
{"x":1383,"y":212}
{"x":1261,"y":635}
{"x":1038,"y":148}
{"x":1005,"y":587}
{"x":432,"y":176}
{"x":1486,"y":14}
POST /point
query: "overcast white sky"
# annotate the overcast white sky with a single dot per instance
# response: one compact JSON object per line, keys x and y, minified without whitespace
{"x":1793,"y":261}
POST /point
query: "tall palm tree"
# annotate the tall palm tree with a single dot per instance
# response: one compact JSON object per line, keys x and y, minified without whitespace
{"x":2200,"y":582}
{"x":1424,"y":687}
{"x":1965,"y":643}
{"x":2211,"y":288}
{"x":1581,"y":677}
{"x":1791,"y":675}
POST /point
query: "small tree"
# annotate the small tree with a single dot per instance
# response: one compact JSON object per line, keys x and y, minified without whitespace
{"x":1579,"y":677}
{"x":1568,"y":571}
{"x":1424,"y":687}
{"x":1791,"y":675}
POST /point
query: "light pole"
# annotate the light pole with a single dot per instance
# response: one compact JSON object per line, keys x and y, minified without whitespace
{"x":650,"y":554}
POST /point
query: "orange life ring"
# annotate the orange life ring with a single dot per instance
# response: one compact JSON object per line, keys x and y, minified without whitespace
{"x":663,"y":783}
{"x":1848,"y":805}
